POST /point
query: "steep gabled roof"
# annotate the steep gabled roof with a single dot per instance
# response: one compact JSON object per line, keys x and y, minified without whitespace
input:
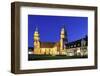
{"x":48,"y":44}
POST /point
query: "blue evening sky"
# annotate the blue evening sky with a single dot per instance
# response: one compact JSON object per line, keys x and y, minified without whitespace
{"x":49,"y":27}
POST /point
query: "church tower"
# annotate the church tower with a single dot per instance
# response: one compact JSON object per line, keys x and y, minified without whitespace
{"x":36,"y":42}
{"x":62,"y":36}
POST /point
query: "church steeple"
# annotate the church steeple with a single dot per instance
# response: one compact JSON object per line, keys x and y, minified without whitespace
{"x":63,"y":38}
{"x":64,"y":33}
{"x":36,"y":34}
{"x":66,"y":36}
{"x":36,"y":42}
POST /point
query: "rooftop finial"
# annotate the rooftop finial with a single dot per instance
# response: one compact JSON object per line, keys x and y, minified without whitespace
{"x":36,"y":29}
{"x":64,"y":26}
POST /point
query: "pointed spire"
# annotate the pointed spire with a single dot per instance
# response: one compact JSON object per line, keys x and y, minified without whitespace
{"x":63,"y":27}
{"x":66,"y":36}
{"x":36,"y":28}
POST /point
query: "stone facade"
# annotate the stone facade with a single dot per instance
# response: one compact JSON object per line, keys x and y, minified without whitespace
{"x":48,"y":48}
{"x":62,"y":47}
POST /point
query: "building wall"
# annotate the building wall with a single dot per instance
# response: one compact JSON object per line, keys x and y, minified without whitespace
{"x":48,"y":48}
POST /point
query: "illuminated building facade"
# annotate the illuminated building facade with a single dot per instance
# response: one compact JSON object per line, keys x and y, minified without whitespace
{"x":62,"y":47}
{"x":49,"y":48}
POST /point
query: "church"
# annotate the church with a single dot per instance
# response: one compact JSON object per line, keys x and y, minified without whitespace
{"x":62,"y":47}
{"x":49,"y":48}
